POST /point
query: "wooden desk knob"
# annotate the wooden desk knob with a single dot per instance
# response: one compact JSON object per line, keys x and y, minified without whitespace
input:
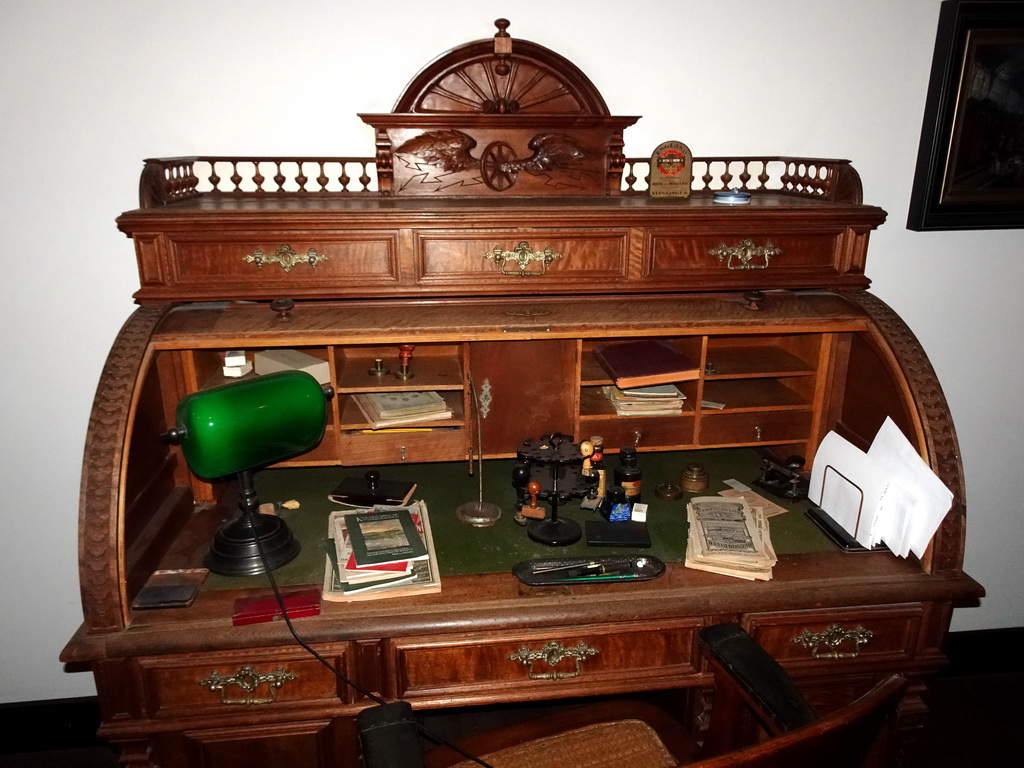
{"x":754,"y":300}
{"x":282,"y":307}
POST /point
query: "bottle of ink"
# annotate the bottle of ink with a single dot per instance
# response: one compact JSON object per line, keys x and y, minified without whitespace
{"x":628,"y":473}
{"x":615,"y":508}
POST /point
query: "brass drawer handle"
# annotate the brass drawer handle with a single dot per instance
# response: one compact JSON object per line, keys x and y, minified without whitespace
{"x":515,"y":262}
{"x":551,"y":654}
{"x":249,"y":680}
{"x":825,"y":645}
{"x":286,"y":257}
{"x":743,"y":256}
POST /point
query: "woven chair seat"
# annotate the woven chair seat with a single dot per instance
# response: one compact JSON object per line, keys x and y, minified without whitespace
{"x":624,"y":743}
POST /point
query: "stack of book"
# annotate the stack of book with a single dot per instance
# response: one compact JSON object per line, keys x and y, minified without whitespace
{"x":380,"y":552}
{"x":644,"y":362}
{"x":385,"y":410}
{"x":392,"y":409}
{"x":657,"y":400}
{"x":730,"y":537}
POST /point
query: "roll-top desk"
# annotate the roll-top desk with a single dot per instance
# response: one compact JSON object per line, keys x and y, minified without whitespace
{"x":501,"y":231}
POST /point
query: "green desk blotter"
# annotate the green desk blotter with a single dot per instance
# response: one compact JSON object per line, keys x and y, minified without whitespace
{"x":462,"y":549}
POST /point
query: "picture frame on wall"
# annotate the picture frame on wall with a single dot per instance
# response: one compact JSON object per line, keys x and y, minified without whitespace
{"x":970,"y":165}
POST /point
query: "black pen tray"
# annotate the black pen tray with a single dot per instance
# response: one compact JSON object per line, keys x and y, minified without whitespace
{"x":608,"y":569}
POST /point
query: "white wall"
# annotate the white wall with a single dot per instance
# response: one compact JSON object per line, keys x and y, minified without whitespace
{"x":88,"y":89}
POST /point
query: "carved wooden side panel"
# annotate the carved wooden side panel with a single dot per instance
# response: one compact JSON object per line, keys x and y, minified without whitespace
{"x":940,"y":437}
{"x":99,"y":556}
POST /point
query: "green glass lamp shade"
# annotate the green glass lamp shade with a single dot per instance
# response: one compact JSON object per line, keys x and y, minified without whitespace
{"x":250,"y":423}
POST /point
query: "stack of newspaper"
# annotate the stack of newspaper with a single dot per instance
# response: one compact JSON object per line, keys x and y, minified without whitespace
{"x":655,"y":400}
{"x":730,"y":537}
{"x":383,"y":551}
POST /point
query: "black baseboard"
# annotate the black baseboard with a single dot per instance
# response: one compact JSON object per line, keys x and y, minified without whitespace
{"x":35,"y":726}
{"x":985,"y":652}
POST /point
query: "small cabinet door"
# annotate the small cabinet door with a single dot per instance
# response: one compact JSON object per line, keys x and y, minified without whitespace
{"x":521,"y":386}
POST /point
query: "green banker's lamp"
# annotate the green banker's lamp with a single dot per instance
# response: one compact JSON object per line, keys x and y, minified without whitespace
{"x":236,"y":429}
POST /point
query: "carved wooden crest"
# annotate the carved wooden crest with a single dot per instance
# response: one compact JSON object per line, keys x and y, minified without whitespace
{"x":494,"y":117}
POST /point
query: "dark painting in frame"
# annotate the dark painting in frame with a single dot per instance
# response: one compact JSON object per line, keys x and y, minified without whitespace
{"x":970,"y":165}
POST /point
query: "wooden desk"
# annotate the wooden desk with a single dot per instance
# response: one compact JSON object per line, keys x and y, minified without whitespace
{"x":412,"y":263}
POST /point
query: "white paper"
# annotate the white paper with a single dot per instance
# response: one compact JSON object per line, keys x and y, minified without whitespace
{"x":888,"y":494}
{"x":930,"y":499}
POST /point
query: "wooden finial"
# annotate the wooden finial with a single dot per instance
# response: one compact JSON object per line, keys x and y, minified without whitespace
{"x":502,"y":40}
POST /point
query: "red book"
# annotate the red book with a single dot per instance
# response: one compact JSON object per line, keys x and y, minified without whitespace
{"x":645,"y":362}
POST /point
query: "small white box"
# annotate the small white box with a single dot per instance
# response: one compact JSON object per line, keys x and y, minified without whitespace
{"x":234,"y":358}
{"x":237,"y":371}
{"x":639,"y":513}
{"x":273,"y":360}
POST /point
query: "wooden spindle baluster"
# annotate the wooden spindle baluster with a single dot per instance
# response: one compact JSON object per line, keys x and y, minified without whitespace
{"x":257,"y":177}
{"x":630,"y":176}
{"x":707,"y":178}
{"x":787,"y":177}
{"x":744,"y":175}
{"x":828,"y":181}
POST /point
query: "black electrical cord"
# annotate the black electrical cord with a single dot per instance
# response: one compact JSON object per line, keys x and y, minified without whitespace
{"x":368,"y":694}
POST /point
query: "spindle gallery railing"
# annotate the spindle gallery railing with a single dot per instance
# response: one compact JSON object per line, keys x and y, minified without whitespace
{"x":822,"y":179}
{"x":167,"y":180}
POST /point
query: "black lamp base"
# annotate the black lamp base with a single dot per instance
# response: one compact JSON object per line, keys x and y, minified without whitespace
{"x":234,"y":551}
{"x":251,"y":543}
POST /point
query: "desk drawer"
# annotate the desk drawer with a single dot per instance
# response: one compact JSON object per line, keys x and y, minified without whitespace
{"x":447,"y":444}
{"x":835,"y":639}
{"x":644,"y":432}
{"x":242,"y":681}
{"x":495,"y":259}
{"x":545,"y":663}
{"x":754,"y":427}
{"x":766,"y":254}
{"x":277,"y":261}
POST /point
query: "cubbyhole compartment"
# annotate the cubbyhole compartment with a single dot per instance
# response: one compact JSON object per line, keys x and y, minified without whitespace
{"x":786,"y":393}
{"x":352,"y":418}
{"x":769,"y":355}
{"x":592,"y":373}
{"x":433,"y":366}
{"x":204,"y":368}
